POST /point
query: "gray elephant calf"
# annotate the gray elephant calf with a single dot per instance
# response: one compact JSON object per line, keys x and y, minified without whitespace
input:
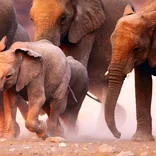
{"x":40,"y":73}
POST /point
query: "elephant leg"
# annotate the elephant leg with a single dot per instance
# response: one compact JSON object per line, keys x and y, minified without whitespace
{"x":1,"y":115}
{"x":143,"y":87}
{"x":1,"y":123}
{"x":47,"y":108}
{"x":57,"y":107}
{"x":11,"y":127}
{"x":48,"y":111}
{"x":36,"y":100}
{"x":32,"y":122}
{"x":22,"y":106}
{"x":69,"y":117}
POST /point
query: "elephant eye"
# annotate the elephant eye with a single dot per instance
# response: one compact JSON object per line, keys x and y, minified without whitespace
{"x":136,"y":49}
{"x":63,"y":19}
{"x":8,"y":76}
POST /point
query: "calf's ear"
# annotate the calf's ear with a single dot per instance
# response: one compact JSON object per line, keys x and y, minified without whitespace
{"x":3,"y":43}
{"x":128,"y":10}
{"x":30,"y":67}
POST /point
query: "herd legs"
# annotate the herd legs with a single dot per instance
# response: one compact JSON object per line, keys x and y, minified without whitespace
{"x":9,"y":128}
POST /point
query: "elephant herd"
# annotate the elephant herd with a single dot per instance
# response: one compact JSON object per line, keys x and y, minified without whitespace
{"x":76,"y":42}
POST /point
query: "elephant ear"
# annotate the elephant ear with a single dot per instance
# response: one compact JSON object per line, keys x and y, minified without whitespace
{"x":128,"y":10}
{"x":152,"y":54}
{"x":30,"y":66}
{"x":150,"y":19}
{"x":89,"y":17}
{"x":3,"y":44}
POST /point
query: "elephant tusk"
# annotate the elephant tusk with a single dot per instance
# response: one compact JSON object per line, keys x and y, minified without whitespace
{"x":107,"y":72}
{"x":128,"y":75}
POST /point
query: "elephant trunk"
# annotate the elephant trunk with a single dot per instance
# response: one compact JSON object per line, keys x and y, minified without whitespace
{"x":116,"y":78}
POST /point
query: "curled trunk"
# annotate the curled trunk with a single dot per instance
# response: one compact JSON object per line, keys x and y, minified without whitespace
{"x":116,"y":78}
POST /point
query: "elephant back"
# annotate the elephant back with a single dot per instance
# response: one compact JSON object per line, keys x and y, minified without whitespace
{"x":21,"y":34}
{"x":114,"y":9}
{"x":8,"y":20}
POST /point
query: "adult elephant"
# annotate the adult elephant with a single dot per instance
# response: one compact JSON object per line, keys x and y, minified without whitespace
{"x":82,"y":28}
{"x":9,"y":26}
{"x":13,"y":31}
{"x":137,"y":50}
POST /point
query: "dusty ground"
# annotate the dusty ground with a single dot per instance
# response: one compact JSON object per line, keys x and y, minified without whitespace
{"x":34,"y":146}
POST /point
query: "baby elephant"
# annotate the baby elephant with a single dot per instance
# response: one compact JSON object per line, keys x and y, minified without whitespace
{"x":42,"y":75}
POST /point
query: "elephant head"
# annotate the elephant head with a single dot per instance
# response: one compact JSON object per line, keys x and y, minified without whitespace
{"x":56,"y":19}
{"x":131,"y":46}
{"x":16,"y":67}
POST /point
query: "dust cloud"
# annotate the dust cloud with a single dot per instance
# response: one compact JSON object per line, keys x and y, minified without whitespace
{"x":91,"y":123}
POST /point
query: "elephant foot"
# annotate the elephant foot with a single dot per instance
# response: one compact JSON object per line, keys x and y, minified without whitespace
{"x":70,"y":128}
{"x":140,"y":136}
{"x":55,"y":130}
{"x":12,"y":132}
{"x":44,"y":137}
{"x":40,"y":127}
{"x":59,"y":132}
{"x":55,"y":139}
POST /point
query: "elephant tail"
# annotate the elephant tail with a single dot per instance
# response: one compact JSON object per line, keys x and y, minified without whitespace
{"x":74,"y":97}
{"x":92,"y":97}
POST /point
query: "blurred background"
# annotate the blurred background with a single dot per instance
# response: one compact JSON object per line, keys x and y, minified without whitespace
{"x":90,"y":121}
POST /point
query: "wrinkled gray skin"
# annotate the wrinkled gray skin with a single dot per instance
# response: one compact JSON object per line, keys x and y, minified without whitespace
{"x":10,"y":28}
{"x":26,"y":64}
{"x":137,"y":51}
{"x":82,"y":28}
